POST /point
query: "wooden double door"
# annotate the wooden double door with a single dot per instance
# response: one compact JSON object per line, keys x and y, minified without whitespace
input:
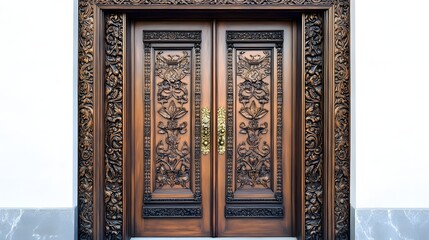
{"x":212,"y":128}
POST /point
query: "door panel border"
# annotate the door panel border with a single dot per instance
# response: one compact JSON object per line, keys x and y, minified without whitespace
{"x":323,"y":133}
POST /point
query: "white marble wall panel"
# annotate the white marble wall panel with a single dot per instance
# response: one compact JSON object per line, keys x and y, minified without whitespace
{"x":37,"y":224}
{"x":392,"y":224}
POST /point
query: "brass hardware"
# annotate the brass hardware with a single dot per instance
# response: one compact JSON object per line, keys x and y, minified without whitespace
{"x":205,"y":131}
{"x":221,"y":130}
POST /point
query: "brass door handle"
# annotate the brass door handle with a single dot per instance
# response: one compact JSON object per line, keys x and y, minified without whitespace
{"x":221,"y":130}
{"x":205,"y":131}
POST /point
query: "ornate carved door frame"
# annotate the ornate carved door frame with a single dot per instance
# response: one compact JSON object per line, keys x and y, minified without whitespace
{"x":324,"y":169}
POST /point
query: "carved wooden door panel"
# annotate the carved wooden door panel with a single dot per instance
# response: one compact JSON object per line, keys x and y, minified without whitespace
{"x":212,"y":117}
{"x":172,"y":85}
{"x":254,"y":90}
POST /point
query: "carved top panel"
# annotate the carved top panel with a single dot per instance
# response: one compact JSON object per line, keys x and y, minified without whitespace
{"x":214,"y":2}
{"x":172,"y":36}
{"x":254,"y":36}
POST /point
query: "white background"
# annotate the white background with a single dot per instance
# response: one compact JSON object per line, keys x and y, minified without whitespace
{"x":391,"y":89}
{"x":38,"y":101}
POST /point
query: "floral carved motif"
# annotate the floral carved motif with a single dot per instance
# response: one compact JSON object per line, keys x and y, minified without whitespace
{"x":113,"y":193}
{"x":177,"y":96}
{"x":86,"y":121}
{"x":313,"y":126}
{"x":253,"y":165}
{"x":342,"y":118}
{"x":173,"y":159}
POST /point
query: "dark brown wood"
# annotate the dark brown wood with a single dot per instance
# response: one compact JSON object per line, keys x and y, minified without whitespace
{"x":328,"y":126}
{"x":114,"y":125}
{"x":254,"y":195}
{"x":341,"y":116}
{"x":171,"y":68}
{"x":314,"y":135}
{"x":86,"y":123}
{"x":97,"y":217}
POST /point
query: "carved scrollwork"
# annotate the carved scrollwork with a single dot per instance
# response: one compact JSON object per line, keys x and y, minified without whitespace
{"x":152,"y":212}
{"x":159,"y":36}
{"x":173,"y":159}
{"x":215,"y":2}
{"x":113,"y":193}
{"x":252,"y":36}
{"x":313,"y":125}
{"x":254,"y":212}
{"x":253,"y":164}
{"x":177,"y":81}
{"x":342,"y":118}
{"x":86,"y":121}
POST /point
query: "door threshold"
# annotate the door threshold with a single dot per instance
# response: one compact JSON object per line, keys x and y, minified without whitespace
{"x":223,"y":238}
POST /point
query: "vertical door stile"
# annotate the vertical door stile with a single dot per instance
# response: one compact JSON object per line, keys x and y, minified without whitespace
{"x":214,"y":155}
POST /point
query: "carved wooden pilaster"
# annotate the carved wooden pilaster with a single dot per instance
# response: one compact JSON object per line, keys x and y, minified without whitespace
{"x":86,"y":121}
{"x":313,"y":64}
{"x":113,"y":192}
{"x":342,"y":118}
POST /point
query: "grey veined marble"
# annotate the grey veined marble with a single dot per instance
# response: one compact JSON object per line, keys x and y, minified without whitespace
{"x":392,"y":224}
{"x":37,"y":224}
